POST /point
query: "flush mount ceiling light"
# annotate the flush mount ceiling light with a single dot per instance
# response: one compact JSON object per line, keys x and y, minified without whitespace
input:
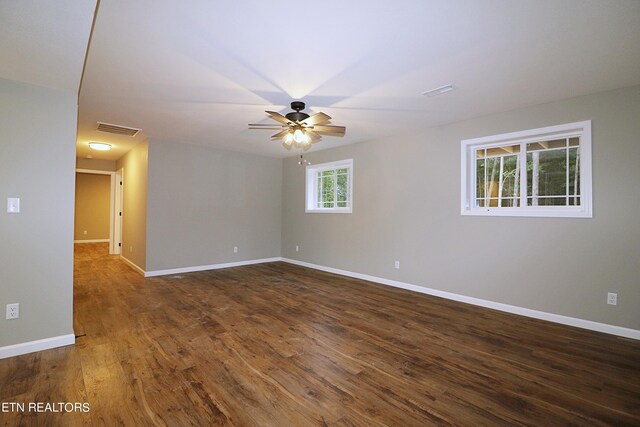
{"x":438,"y":91}
{"x":99,"y":146}
{"x":299,"y":129}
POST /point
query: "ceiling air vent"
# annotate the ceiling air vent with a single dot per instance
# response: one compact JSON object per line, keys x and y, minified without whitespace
{"x":119,"y":130}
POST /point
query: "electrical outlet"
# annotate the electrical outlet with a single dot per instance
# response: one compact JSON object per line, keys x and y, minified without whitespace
{"x":13,"y":205}
{"x":84,"y":232}
{"x":13,"y":311}
{"x":235,"y":249}
{"x":612,"y":298}
{"x":297,"y":248}
{"x":130,"y":249}
{"x":396,"y":265}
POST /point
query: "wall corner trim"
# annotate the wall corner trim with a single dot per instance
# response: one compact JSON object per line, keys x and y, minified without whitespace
{"x":550,"y":317}
{"x":132,"y":265}
{"x":208,"y":267}
{"x":38,"y":345}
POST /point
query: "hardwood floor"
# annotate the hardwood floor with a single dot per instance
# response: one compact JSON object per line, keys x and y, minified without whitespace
{"x":280,"y":345}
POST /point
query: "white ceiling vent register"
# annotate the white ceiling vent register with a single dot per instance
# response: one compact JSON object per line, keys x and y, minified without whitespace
{"x":117,"y":129}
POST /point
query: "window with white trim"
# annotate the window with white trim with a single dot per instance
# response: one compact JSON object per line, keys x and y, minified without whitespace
{"x":329,"y":187}
{"x":538,"y":172}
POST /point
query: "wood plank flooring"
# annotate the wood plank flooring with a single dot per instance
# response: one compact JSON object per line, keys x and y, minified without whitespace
{"x":280,"y":345}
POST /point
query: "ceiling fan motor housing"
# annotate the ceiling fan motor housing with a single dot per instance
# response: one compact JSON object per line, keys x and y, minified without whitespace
{"x":297,"y":116}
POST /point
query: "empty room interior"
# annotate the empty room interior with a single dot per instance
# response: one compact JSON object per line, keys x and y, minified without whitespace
{"x":354,"y":213}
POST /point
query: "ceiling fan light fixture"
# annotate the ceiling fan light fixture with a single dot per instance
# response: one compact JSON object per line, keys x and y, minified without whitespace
{"x":288,"y":139}
{"x":298,"y":136}
{"x":99,"y":146}
{"x":298,"y":129}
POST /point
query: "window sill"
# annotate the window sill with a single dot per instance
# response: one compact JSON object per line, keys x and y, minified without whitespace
{"x":340,"y":210}
{"x":542,"y":212}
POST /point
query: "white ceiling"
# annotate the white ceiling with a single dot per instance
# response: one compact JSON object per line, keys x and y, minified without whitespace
{"x":200,"y":71}
{"x":44,"y":42}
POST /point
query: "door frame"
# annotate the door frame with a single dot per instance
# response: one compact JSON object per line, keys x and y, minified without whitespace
{"x":118,"y":213}
{"x":115,"y":206}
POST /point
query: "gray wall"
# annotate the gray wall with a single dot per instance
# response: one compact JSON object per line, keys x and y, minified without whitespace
{"x":407,"y":208}
{"x":96,"y":164}
{"x":37,"y":164}
{"x":203,"y":202}
{"x":93,"y":206}
{"x":134,"y":203}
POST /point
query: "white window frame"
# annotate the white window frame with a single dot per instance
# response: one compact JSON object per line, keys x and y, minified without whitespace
{"x":311,"y":195}
{"x":468,"y":172}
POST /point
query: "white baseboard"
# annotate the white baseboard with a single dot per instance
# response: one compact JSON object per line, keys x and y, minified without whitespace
{"x":38,"y":345}
{"x":92,"y":241}
{"x":209,"y":267}
{"x":551,"y":317}
{"x":135,"y":267}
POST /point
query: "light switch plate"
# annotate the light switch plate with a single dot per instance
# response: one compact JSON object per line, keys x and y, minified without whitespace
{"x":13,"y":205}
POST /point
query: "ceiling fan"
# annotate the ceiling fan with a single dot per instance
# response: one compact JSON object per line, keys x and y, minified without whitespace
{"x":298,"y":129}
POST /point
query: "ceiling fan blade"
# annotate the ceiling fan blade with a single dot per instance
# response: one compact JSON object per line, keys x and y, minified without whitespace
{"x":314,"y":137}
{"x":271,"y":127}
{"x":264,"y":124}
{"x":316,"y":119}
{"x":280,"y":134}
{"x":278,"y":117}
{"x":330,"y":130}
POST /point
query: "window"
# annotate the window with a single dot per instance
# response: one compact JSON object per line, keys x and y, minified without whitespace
{"x":539,"y":172}
{"x":329,"y":187}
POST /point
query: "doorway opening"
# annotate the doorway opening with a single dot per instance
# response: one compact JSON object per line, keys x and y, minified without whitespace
{"x":98,"y":213}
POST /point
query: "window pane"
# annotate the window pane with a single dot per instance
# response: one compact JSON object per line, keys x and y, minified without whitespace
{"x":342,"y":187}
{"x":510,"y":177}
{"x":548,"y":201}
{"x":497,"y":202}
{"x":480,"y":178}
{"x":491,"y":185}
{"x":546,"y":174}
{"x":498,"y":151}
{"x":574,"y":173}
{"x":328,"y":188}
{"x":511,"y":202}
{"x":491,"y":202}
{"x":319,"y":190}
{"x":546,"y":145}
{"x":497,"y":175}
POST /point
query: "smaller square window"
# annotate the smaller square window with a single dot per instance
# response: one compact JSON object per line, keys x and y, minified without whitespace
{"x":329,"y":187}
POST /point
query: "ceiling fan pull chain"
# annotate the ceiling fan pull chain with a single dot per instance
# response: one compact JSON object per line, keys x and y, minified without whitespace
{"x":303,"y":161}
